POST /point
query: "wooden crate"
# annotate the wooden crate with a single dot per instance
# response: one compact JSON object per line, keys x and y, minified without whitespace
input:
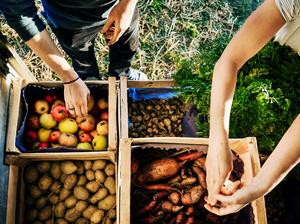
{"x":16,"y":184}
{"x":246,"y":148}
{"x":16,"y":110}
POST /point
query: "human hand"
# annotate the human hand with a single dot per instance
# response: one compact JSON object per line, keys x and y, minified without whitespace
{"x":118,"y":21}
{"x":218,"y":166}
{"x":76,"y":97}
{"x":228,"y":204}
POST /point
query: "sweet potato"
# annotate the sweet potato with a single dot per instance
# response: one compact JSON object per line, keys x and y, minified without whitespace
{"x":158,"y":170}
{"x":148,"y":207}
{"x":168,"y":206}
{"x":201,"y":176}
{"x":174,"y":197}
{"x":189,"y":156}
{"x":179,"y":218}
{"x":192,"y":196}
{"x":200,"y":162}
{"x":159,"y":195}
{"x":188,"y":181}
{"x":159,"y":187}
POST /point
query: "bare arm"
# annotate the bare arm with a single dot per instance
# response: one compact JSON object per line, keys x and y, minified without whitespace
{"x":285,"y":156}
{"x":76,"y":93}
{"x":258,"y":29}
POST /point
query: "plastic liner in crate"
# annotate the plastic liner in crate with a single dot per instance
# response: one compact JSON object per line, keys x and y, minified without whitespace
{"x":143,"y":197}
{"x":159,"y":112}
{"x":33,"y":92}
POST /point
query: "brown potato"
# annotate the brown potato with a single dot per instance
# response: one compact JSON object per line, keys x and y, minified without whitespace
{"x":101,"y":193}
{"x":43,"y":166}
{"x":100,"y":176}
{"x":55,"y":187}
{"x":108,"y":221}
{"x":31,"y":215}
{"x":88,"y":212}
{"x":72,"y":214}
{"x":82,"y":221}
{"x":41,"y":202}
{"x":45,"y":182}
{"x":70,"y":201}
{"x":99,"y":164}
{"x":81,"y":180}
{"x":109,"y":169}
{"x":80,"y":167}
{"x":48,"y":221}
{"x":45,"y":213}
{"x":31,"y":174}
{"x":112,"y":214}
{"x":55,"y":170}
{"x":90,"y":175}
{"x":59,"y":210}
{"x":61,"y":221}
{"x":92,"y":186}
{"x":34,"y":191}
{"x":53,"y":199}
{"x":70,"y":181}
{"x":110,"y":184}
{"x":87,"y":164}
{"x":81,"y":205}
{"x":64,"y":193}
{"x":81,"y":193}
{"x":107,"y":203}
{"x":63,"y":176}
{"x":68,"y":167}
{"x":97,"y":216}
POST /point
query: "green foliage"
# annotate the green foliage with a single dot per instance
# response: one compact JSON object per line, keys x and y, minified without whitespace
{"x":267,"y":95}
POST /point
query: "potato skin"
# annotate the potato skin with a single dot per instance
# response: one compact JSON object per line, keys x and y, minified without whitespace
{"x":101,"y":193}
{"x":70,"y":181}
{"x":109,"y":169}
{"x":99,"y":164}
{"x":158,"y":170}
{"x":88,"y":212}
{"x":31,"y":174}
{"x":45,"y":182}
{"x":64,"y":193}
{"x":81,"y":205}
{"x":68,"y":167}
{"x":70,"y":201}
{"x":92,"y":186}
{"x":82,"y":221}
{"x":55,"y":170}
{"x":110,"y":184}
{"x":45,"y":213}
{"x":59,"y":210}
{"x":72,"y":214}
{"x":108,"y":202}
{"x":81,"y":193}
{"x":82,"y":180}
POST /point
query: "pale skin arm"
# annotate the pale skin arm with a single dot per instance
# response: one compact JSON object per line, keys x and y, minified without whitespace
{"x":76,"y":93}
{"x":118,"y":20}
{"x":285,"y":156}
{"x":258,"y":29}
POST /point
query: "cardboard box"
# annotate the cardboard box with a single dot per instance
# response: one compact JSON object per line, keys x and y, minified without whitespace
{"x":246,"y":149}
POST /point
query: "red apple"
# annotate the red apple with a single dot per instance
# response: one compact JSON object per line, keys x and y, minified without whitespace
{"x":31,"y":136}
{"x":50,"y":97}
{"x":85,"y":137}
{"x":57,"y":102}
{"x":41,"y":106}
{"x":102,"y":104}
{"x":54,"y":136}
{"x":33,"y":122}
{"x":102,"y":128}
{"x":59,"y":113}
{"x":93,"y":133}
{"x":86,"y":123}
{"x":43,"y":145}
{"x":104,"y":115}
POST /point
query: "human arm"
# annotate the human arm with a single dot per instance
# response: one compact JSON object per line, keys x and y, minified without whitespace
{"x":285,"y":156}
{"x":258,"y":29}
{"x":118,"y":20}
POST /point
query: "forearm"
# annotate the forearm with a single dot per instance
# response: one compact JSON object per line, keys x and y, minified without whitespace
{"x":43,"y":45}
{"x":128,"y":3}
{"x":285,"y":156}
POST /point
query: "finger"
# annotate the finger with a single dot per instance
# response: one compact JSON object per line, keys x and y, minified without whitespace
{"x":213,"y":191}
{"x":107,"y":25}
{"x":220,"y":211}
{"x":78,"y":111}
{"x":116,"y":35}
{"x":84,"y":109}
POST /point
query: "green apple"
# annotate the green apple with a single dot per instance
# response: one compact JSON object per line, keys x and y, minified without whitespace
{"x":41,"y":106}
{"x":47,"y":121}
{"x":68,"y":125}
{"x":84,"y":145}
{"x":99,"y":142}
{"x":44,"y":134}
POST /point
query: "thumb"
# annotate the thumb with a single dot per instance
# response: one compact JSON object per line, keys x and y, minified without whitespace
{"x":227,"y":200}
{"x":107,"y":25}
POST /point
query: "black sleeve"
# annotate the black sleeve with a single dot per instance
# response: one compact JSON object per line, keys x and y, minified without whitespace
{"x":22,"y":16}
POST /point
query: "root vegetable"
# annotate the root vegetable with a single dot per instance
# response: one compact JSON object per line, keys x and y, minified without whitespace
{"x":189,"y":156}
{"x":188,"y":181}
{"x":82,"y":221}
{"x":159,"y":187}
{"x":70,"y":181}
{"x":81,"y":193}
{"x":34,"y":191}
{"x":174,"y":197}
{"x":112,"y":214}
{"x":100,"y":176}
{"x":81,"y":206}
{"x":45,"y":213}
{"x":87,"y":164}
{"x":68,"y":167}
{"x":158,"y":170}
{"x":80,"y":167}
{"x":189,"y":211}
{"x":192,"y":196}
{"x":168,"y":206}
{"x":64,"y":193}
{"x":107,"y":203}
{"x":70,"y":201}
{"x":88,"y":212}
{"x":147,"y":208}
{"x":179,"y":218}
{"x":201,"y":176}
{"x":90,"y":175}
{"x":99,"y":164}
{"x":55,"y":170}
{"x":160,"y":195}
{"x":61,"y":221}
{"x":53,"y":199}
{"x":43,"y":167}
{"x":200,"y":162}
{"x":109,"y":169}
{"x":41,"y":202}
{"x":55,"y":187}
{"x":81,"y":180}
{"x":31,"y":174}
{"x":101,"y":193}
{"x":72,"y":214}
{"x":110,"y":184}
{"x":190,"y":220}
{"x":175,"y":179}
{"x":97,"y":216}
{"x":59,"y":210}
{"x":45,"y":182}
{"x":63,"y":176}
{"x":92,"y":186}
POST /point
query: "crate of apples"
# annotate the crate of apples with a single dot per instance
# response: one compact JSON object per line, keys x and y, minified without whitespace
{"x":50,"y":125}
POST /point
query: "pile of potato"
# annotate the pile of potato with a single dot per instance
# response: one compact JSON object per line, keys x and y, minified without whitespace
{"x":156,"y":118}
{"x":70,"y":192}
